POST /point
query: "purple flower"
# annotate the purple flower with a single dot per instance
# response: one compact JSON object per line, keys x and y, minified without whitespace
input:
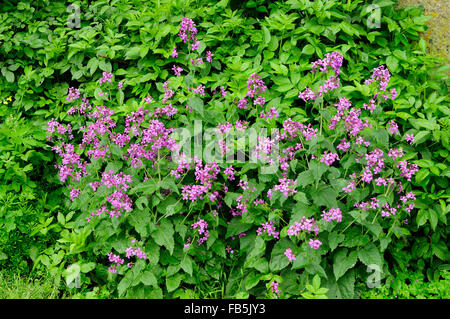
{"x":209,"y":56}
{"x":304,"y":224}
{"x":177,"y":70}
{"x":393,"y":127}
{"x":269,"y":229}
{"x":409,"y":138}
{"x":73,"y":94}
{"x":315,"y":244}
{"x":288,"y":253}
{"x":332,"y":214}
{"x":329,"y":158}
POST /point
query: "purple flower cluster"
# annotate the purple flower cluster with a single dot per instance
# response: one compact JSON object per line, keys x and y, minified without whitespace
{"x":329,"y":158}
{"x":202,"y":230}
{"x":135,"y":251}
{"x":188,"y":30}
{"x":292,"y":130}
{"x":333,"y":60}
{"x":255,"y":85}
{"x":275,"y":288}
{"x":109,"y":179}
{"x":116,"y":260}
{"x":229,"y":173}
{"x":177,"y":70}
{"x":268,"y":228}
{"x":288,"y":253}
{"x":381,"y":75}
{"x":286,"y":186}
{"x":409,"y":138}
{"x":242,"y":103}
{"x":107,"y":77}
{"x":209,"y":56}
{"x":315,"y":243}
{"x":200,"y":90}
{"x":332,"y":214}
{"x":305,"y":224}
{"x":205,"y":175}
{"x":73,"y":94}
{"x":273,"y":113}
{"x":393,"y":127}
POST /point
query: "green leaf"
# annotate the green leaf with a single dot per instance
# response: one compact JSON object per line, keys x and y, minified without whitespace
{"x":305,"y":178}
{"x":3,"y":256}
{"x":9,"y":76}
{"x":236,"y":227}
{"x":344,"y":288}
{"x":317,"y":169}
{"x":369,"y":255}
{"x":125,"y":283}
{"x":392,"y":63}
{"x":334,"y":239}
{"x":422,"y":174}
{"x":428,"y":124}
{"x":173,"y":282}
{"x":278,"y":259}
{"x":325,"y":196}
{"x":422,"y":217}
{"x":186,"y":264}
{"x":308,"y":49}
{"x":440,"y":249}
{"x":433,"y":218}
{"x":149,"y":279}
{"x":316,"y":283}
{"x":266,"y":35}
{"x":163,"y":235}
{"x":301,"y":260}
{"x":71,"y":273}
{"x":87,"y":267}
{"x":343,"y":262}
{"x":147,"y":188}
{"x":133,"y":53}
{"x":196,"y":104}
{"x":252,"y":279}
{"x":120,"y":97}
{"x":92,"y":65}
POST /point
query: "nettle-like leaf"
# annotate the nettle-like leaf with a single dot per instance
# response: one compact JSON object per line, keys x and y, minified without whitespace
{"x":278,"y":259}
{"x":344,"y":288}
{"x":164,"y":235}
{"x":370,"y":255}
{"x":343,"y":260}
{"x":334,"y":239}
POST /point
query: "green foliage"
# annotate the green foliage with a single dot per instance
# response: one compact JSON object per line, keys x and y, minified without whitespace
{"x":17,"y":287}
{"x":409,"y":285}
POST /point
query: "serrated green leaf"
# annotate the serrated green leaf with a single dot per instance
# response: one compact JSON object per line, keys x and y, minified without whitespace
{"x":163,"y":235}
{"x":343,"y":262}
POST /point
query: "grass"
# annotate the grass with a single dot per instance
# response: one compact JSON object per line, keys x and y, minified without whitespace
{"x":17,"y":287}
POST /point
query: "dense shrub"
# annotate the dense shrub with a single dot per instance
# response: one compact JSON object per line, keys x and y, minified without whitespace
{"x":42,"y":58}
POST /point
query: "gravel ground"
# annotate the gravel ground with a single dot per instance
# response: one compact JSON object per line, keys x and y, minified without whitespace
{"x":438,"y":31}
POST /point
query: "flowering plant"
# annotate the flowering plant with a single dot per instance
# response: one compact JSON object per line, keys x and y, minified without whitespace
{"x":323,"y":194}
